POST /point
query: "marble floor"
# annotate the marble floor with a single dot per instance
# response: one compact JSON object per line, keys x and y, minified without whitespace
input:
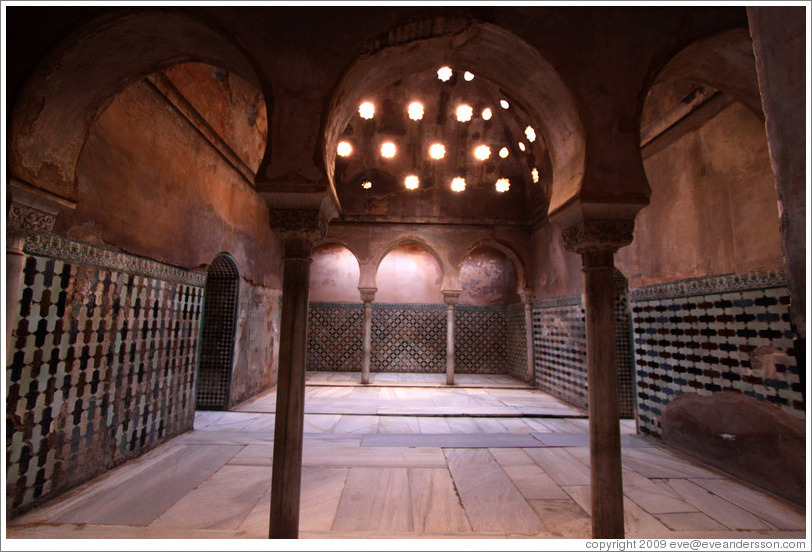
{"x":409,"y":458}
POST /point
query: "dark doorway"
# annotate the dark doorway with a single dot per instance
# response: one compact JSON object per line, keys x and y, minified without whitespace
{"x":220,"y":303}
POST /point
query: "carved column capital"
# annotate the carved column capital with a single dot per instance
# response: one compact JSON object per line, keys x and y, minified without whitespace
{"x":30,"y":210}
{"x":526,"y":296}
{"x":598,"y":235}
{"x":308,"y":224}
{"x":367,"y":294}
{"x":451,"y":296}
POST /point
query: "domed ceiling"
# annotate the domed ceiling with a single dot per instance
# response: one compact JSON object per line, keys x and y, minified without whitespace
{"x":442,"y":146}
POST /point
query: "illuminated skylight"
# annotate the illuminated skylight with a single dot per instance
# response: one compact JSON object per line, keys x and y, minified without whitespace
{"x":388,"y":150}
{"x":411,"y":182}
{"x":535,"y":174}
{"x":530,"y":133}
{"x":366,"y":110}
{"x":415,"y":111}
{"x":487,"y":113}
{"x":458,"y":184}
{"x":502,"y":185}
{"x":482,"y":152}
{"x":437,"y":151}
{"x":444,"y":73}
{"x":344,"y":148}
{"x":521,"y":146}
{"x":464,"y":113}
{"x":504,"y":104}
{"x":469,"y":76}
{"x":366,"y":184}
{"x":503,"y":153}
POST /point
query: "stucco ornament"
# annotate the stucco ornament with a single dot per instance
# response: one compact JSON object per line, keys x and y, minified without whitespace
{"x":309,"y":224}
{"x":23,"y":217}
{"x":598,"y":235}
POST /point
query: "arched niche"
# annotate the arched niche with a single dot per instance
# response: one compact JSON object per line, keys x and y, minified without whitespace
{"x":409,"y":273}
{"x":334,"y":274}
{"x":488,"y":277}
{"x":218,"y":334}
{"x":87,"y":70}
{"x":705,"y":152}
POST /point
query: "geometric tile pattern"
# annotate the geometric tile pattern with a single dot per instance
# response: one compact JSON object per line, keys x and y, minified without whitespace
{"x":335,"y":337}
{"x":559,"y":336}
{"x":408,"y":338}
{"x":515,"y":342}
{"x":479,"y":339}
{"x":738,"y":341}
{"x":220,"y":302}
{"x":101,"y":368}
{"x":412,"y":338}
{"x":623,"y":346}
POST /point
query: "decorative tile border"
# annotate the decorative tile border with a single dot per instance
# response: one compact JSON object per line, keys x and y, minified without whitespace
{"x":59,"y":247}
{"x":410,"y":306}
{"x":726,"y":283}
{"x":563,"y":301}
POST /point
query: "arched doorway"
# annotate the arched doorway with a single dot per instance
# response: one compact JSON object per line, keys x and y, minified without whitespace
{"x":220,"y":304}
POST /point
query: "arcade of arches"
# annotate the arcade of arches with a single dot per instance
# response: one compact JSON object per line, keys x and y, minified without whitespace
{"x":207,"y":204}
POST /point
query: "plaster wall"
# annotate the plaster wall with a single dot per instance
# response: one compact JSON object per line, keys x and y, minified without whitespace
{"x":409,"y":274}
{"x":334,"y":275}
{"x":713,"y":205}
{"x":149,"y":184}
{"x":488,"y":278}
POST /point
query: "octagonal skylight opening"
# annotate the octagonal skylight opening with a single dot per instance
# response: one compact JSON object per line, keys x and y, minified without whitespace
{"x":344,"y":149}
{"x":366,"y":110}
{"x":444,"y":73}
{"x":535,"y":175}
{"x":411,"y":182}
{"x":482,"y":152}
{"x":502,"y":185}
{"x":415,"y":111}
{"x":366,"y":184}
{"x":504,"y":104}
{"x":464,"y":113}
{"x":487,"y":113}
{"x":458,"y":184}
{"x":530,"y":133}
{"x":521,"y":146}
{"x":437,"y":151}
{"x":388,"y":150}
{"x":468,"y":76}
{"x":504,"y":152}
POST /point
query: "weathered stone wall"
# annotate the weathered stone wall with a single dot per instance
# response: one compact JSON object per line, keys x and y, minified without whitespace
{"x":101,"y":367}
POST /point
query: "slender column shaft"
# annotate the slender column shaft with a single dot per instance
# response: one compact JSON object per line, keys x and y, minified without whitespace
{"x":367,"y":352}
{"x":287,"y":455}
{"x":15,"y":262}
{"x":449,"y":355}
{"x":604,"y":427}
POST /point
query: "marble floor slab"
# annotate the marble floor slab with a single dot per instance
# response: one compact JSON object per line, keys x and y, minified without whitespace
{"x":423,"y":470}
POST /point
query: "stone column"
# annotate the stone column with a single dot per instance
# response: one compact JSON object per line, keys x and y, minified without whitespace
{"x":367,"y":296}
{"x":451,"y":298}
{"x":30,"y":211}
{"x":597,"y":241}
{"x":299,"y":228}
{"x":527,"y":299}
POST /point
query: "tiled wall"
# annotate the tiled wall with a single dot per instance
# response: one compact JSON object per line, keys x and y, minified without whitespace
{"x":408,"y":337}
{"x":479,"y":339}
{"x":335,"y":337}
{"x":559,"y":336}
{"x":515,"y":342}
{"x":101,"y":365}
{"x":724,"y":333}
{"x":412,"y":338}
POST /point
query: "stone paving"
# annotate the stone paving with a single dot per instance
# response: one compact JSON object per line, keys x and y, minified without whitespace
{"x":489,"y":457}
